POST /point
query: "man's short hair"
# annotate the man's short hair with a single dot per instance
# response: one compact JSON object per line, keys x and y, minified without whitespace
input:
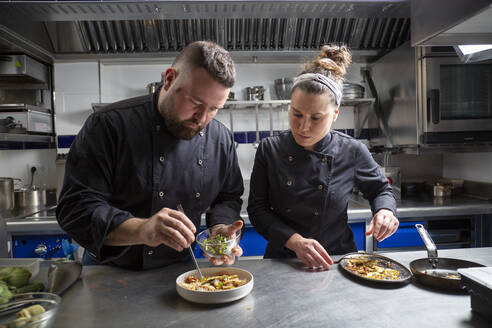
{"x":210,"y":56}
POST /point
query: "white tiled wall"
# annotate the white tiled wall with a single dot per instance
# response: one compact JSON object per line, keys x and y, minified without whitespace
{"x":17,"y":164}
{"x":468,"y":166}
{"x":77,"y":86}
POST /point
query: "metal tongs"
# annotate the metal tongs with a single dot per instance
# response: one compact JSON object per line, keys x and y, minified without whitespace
{"x":180,"y":208}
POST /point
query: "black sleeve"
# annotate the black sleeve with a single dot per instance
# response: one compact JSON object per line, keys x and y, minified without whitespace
{"x":265,"y":221}
{"x":372,"y":182}
{"x":227,"y":205}
{"x":84,"y":211}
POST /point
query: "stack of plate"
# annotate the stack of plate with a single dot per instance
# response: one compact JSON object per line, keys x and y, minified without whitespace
{"x":352,"y":90}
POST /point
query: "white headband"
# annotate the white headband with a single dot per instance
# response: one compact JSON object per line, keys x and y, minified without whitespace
{"x":324,"y":80}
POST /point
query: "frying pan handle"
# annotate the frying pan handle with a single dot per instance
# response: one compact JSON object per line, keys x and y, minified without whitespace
{"x":429,"y":243}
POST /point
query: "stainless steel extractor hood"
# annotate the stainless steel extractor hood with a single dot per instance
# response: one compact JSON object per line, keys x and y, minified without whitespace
{"x":451,"y":22}
{"x":155,"y":29}
{"x":22,"y":69}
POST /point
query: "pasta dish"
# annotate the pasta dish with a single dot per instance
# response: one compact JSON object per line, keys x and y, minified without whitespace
{"x":371,"y":269}
{"x":212,"y":283}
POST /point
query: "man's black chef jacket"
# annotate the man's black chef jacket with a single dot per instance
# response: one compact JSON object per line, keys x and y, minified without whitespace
{"x":124,"y":164}
{"x":296,"y":190}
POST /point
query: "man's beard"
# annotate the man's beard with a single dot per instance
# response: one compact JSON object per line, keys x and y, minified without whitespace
{"x":175,"y":126}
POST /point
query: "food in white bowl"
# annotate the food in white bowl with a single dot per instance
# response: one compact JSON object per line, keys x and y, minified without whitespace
{"x":219,"y":281}
{"x":215,"y":243}
{"x":243,"y":279}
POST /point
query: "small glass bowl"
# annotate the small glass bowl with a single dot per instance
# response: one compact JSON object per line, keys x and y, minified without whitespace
{"x":50,"y":302}
{"x":214,"y":247}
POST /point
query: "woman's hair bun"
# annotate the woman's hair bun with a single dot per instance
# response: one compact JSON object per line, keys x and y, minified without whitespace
{"x":333,"y":59}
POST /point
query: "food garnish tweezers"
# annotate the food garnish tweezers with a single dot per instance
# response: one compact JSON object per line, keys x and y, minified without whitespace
{"x":180,"y":208}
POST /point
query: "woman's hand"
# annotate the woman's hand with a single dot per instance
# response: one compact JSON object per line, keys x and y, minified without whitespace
{"x":309,"y":251}
{"x":230,"y":231}
{"x":383,"y":224}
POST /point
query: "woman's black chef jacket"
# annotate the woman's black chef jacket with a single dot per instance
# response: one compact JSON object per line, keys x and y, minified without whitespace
{"x":124,"y":164}
{"x":296,"y":190}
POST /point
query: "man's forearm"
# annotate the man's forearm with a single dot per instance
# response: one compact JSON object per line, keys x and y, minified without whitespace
{"x":126,"y":234}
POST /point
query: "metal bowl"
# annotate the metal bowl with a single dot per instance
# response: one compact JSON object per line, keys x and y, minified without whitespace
{"x":283,"y":87}
{"x":50,"y":302}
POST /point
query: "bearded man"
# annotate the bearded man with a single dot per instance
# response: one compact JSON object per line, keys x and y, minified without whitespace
{"x":133,"y":162}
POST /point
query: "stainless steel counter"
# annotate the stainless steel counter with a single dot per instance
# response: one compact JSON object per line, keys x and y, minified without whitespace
{"x":283,"y":296}
{"x":358,"y":211}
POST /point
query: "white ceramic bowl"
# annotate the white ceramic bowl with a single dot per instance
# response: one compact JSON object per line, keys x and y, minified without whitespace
{"x":220,"y":296}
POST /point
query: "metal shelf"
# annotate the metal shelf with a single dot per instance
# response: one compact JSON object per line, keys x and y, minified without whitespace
{"x":253,"y":103}
{"x":26,"y":138}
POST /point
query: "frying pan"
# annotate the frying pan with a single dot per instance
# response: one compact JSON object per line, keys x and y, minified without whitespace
{"x":437,"y":271}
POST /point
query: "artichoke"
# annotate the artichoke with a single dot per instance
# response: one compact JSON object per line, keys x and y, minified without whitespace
{"x":5,"y":293}
{"x":15,"y":276}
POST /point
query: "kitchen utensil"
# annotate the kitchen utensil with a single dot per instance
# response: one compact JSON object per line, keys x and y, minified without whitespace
{"x":383,"y":261}
{"x":456,"y":185}
{"x":442,"y":190}
{"x":152,"y":87}
{"x":283,"y":87}
{"x":437,"y":272}
{"x":62,"y":274}
{"x":231,"y":96}
{"x":25,"y":197}
{"x":7,"y":193}
{"x":180,"y":208}
{"x":50,"y":302}
{"x":353,"y":90}
{"x":216,"y":297}
{"x":255,"y":93}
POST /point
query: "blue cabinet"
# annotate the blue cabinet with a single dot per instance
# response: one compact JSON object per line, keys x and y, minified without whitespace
{"x":252,"y":243}
{"x":42,"y":246}
{"x":359,"y":230}
{"x":405,"y":236}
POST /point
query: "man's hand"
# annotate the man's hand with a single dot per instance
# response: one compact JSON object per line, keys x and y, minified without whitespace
{"x":309,"y":251}
{"x":383,"y":224}
{"x":229,"y":231}
{"x":168,"y":227}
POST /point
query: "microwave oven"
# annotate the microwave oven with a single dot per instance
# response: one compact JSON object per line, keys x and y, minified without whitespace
{"x":454,"y":98}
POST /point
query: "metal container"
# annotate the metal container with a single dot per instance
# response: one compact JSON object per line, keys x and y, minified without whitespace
{"x":26,"y":197}
{"x":283,"y":87}
{"x":6,"y":194}
{"x":442,"y":190}
{"x":255,"y":93}
{"x":152,"y":87}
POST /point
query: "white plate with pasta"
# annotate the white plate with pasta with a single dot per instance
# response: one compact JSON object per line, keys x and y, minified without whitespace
{"x":220,"y":285}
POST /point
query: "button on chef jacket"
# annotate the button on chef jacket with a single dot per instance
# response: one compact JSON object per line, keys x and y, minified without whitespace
{"x":125,"y":164}
{"x":293,"y":190}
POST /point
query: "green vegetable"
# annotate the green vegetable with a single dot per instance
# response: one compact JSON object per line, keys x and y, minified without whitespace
{"x":5,"y":293}
{"x":17,"y":277}
{"x":218,"y":245}
{"x":6,"y":272}
{"x":31,"y":288}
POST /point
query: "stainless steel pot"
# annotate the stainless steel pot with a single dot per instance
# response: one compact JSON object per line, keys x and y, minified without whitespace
{"x":6,"y":193}
{"x":442,"y":190}
{"x":26,"y":197}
